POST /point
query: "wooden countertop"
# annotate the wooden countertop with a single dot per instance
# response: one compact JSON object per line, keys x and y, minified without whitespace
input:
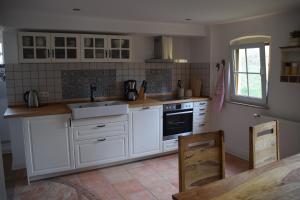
{"x":61,"y":108}
{"x":277,"y":180}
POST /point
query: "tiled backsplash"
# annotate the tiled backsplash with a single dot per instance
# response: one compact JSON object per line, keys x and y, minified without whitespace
{"x":65,"y":81}
{"x":76,"y":83}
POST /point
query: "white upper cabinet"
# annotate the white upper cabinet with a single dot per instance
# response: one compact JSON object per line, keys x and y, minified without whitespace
{"x":37,"y":47}
{"x":34,"y":47}
{"x":94,"y":48}
{"x":65,"y":47}
{"x":119,"y":48}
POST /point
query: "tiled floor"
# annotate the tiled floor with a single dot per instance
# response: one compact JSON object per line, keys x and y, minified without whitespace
{"x":149,"y":179}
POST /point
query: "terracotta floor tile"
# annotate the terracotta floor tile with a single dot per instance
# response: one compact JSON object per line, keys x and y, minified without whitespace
{"x":143,"y":195}
{"x":117,"y":177}
{"x":128,"y":187}
{"x":153,"y":179}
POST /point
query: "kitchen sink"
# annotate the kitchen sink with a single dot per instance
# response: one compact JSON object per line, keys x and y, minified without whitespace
{"x":98,"y":109}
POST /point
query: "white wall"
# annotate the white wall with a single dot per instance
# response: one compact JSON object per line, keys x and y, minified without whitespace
{"x":284,"y":98}
{"x":40,"y":21}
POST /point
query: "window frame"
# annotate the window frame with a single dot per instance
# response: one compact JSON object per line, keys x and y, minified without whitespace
{"x":263,"y":73}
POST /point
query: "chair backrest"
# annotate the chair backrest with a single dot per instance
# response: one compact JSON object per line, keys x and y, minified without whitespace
{"x":264,"y":144}
{"x":201,"y":159}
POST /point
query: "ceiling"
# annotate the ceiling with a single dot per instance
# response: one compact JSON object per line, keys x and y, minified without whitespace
{"x":176,"y":11}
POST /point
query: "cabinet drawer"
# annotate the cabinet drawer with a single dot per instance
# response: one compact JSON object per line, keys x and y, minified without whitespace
{"x":99,"y":130}
{"x":200,"y":109}
{"x":201,"y":104}
{"x":100,"y":151}
{"x":170,"y":145}
{"x":200,"y":127}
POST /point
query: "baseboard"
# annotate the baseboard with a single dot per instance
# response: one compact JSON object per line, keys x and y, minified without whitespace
{"x":238,"y":153}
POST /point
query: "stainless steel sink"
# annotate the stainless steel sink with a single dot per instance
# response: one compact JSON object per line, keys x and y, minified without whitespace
{"x":98,"y":109}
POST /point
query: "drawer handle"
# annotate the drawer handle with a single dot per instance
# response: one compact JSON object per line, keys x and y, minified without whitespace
{"x":145,"y":108}
{"x":202,"y":109}
{"x":202,"y":103}
{"x":201,"y":125}
{"x":201,"y":114}
{"x":101,"y":139}
{"x":101,"y":126}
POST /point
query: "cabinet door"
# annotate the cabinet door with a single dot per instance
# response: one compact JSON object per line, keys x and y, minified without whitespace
{"x":48,"y":144}
{"x":94,"y":48}
{"x":65,"y":47}
{"x":34,"y":47}
{"x":119,"y":48}
{"x":146,"y":131}
{"x":100,"y":151}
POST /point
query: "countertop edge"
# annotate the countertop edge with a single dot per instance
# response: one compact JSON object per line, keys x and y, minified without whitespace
{"x":61,"y":108}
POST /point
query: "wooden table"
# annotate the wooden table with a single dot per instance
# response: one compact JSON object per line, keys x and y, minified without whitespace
{"x":278,"y":180}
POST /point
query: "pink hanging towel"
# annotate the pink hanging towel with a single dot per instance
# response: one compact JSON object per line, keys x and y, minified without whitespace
{"x":219,"y":95}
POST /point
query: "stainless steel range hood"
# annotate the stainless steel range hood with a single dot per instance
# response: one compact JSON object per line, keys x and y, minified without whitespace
{"x":163,"y":50}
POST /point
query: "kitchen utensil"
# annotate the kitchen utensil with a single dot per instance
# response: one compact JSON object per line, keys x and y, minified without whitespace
{"x":31,"y":98}
{"x":142,"y":92}
{"x":196,"y":87}
{"x":179,"y":83}
{"x":180,"y":93}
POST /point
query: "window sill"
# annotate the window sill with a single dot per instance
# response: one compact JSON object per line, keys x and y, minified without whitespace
{"x":248,"y":105}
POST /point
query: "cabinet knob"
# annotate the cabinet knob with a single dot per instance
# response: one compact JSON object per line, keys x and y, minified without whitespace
{"x":101,"y":139}
{"x":145,"y":108}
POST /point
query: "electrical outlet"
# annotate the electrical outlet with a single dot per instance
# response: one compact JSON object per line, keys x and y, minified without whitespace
{"x":44,"y":94}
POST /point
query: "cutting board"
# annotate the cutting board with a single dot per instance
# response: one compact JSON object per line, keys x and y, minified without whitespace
{"x":196,"y":87}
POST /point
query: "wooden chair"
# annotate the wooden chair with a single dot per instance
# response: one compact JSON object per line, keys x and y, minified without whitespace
{"x":263,"y":144}
{"x":201,"y":159}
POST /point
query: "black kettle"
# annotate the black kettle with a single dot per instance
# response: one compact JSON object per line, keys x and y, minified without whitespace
{"x":31,"y":98}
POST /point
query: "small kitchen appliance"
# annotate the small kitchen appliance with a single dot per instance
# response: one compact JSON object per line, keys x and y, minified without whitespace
{"x":31,"y":98}
{"x":130,"y":90}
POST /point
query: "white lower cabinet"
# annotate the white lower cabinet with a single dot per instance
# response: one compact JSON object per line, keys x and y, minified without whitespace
{"x":145,"y":135}
{"x":101,"y":151}
{"x":170,"y":145}
{"x":201,"y":117}
{"x":48,"y":144}
{"x":100,"y":140}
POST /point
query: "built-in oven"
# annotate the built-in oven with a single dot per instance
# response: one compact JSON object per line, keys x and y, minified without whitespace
{"x":177,"y":120}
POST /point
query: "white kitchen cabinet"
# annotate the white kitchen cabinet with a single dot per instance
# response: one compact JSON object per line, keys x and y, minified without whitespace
{"x":145,"y":132}
{"x":65,"y":47}
{"x":101,"y":151}
{"x":200,"y":117}
{"x":34,"y":47}
{"x":94,"y":48}
{"x":119,"y":48}
{"x":100,"y":140}
{"x":48,"y":144}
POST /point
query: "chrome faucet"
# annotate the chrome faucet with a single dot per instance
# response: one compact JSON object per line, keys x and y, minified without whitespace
{"x":93,"y":88}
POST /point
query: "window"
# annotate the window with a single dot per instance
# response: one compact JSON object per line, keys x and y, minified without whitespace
{"x":249,"y":70}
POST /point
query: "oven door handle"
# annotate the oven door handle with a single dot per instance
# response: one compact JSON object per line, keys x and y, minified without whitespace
{"x":179,"y":113}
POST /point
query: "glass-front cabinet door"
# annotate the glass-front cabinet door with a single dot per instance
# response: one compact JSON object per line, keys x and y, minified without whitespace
{"x":119,"y":48}
{"x":65,"y":47}
{"x":94,"y":48}
{"x":34,"y":47}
